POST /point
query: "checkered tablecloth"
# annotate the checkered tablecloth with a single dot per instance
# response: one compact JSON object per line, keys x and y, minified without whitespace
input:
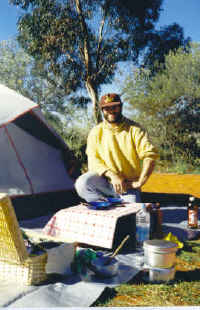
{"x":84,"y":225}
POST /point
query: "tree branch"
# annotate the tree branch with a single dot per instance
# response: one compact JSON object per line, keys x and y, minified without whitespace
{"x":87,"y":59}
{"x":100,"y":37}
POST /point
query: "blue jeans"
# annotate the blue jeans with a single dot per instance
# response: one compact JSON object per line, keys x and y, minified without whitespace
{"x":91,"y":187}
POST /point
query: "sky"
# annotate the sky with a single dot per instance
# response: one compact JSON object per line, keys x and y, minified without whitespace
{"x":184,"y":12}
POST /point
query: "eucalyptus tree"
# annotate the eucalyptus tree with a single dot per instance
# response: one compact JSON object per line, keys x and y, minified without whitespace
{"x":14,"y":64}
{"x":83,"y":40}
{"x":20,"y":72}
{"x":166,"y":39}
{"x":169,"y":102}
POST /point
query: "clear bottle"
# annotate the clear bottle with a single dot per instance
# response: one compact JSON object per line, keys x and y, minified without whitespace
{"x":142,"y":226}
{"x":192,"y":212}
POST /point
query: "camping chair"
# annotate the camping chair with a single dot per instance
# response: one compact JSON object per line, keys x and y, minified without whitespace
{"x":16,"y":264}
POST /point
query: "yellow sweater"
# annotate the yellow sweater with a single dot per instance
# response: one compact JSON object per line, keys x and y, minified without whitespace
{"x":119,"y":149}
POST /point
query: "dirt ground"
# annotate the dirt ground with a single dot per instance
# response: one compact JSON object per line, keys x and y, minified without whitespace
{"x":170,"y":183}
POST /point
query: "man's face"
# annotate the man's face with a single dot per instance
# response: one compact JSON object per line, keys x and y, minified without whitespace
{"x":113,"y":114}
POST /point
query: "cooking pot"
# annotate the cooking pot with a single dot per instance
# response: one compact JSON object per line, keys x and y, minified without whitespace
{"x":161,"y":274}
{"x":159,"y":253}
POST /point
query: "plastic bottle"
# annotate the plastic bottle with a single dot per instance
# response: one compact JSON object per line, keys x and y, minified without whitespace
{"x":192,"y":212}
{"x":142,"y":227}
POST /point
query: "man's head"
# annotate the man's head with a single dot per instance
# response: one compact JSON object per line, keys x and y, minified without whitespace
{"x":111,"y":107}
{"x":109,"y":100}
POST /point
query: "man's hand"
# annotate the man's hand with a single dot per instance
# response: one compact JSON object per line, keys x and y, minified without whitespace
{"x":147,"y":169}
{"x":133,"y":184}
{"x":117,"y":180}
{"x":119,"y":184}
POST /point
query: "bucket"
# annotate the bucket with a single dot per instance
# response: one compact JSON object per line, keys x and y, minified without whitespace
{"x":159,"y":253}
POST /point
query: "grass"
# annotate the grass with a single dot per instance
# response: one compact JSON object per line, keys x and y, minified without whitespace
{"x":179,"y":167}
{"x":184,"y":290}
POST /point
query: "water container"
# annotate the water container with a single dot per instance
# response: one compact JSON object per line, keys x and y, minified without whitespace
{"x":142,"y":227}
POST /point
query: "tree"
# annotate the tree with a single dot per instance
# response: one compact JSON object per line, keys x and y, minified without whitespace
{"x":170,"y":102}
{"x":168,"y":38}
{"x":14,"y":64}
{"x":19,"y":71}
{"x":83,"y":40}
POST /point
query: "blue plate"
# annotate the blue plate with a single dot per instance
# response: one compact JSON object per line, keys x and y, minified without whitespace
{"x":99,"y":204}
{"x":115,"y":199}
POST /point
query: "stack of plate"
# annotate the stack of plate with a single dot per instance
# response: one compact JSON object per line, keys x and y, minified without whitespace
{"x":103,"y":204}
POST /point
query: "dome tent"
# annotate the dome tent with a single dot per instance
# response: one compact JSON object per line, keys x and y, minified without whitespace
{"x":33,"y":157}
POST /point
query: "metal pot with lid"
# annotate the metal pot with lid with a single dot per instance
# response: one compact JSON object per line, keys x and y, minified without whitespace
{"x":160,"y":253}
{"x":159,"y":275}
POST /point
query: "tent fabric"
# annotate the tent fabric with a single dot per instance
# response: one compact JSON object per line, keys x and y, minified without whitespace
{"x":35,"y":124}
{"x":12,"y":105}
{"x":31,"y":159}
{"x":37,"y":112}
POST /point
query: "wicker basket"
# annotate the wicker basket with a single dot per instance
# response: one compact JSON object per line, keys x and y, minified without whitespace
{"x":15,"y":262}
{"x":31,"y":271}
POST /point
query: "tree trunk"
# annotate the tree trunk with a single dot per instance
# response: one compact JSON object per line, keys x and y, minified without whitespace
{"x":94,"y":98}
{"x":92,"y":91}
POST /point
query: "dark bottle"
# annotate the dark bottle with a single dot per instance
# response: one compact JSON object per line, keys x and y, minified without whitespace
{"x":156,"y":221}
{"x":192,"y":213}
{"x":159,"y":221}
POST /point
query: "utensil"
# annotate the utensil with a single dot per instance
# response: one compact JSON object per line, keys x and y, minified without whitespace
{"x":110,"y":257}
{"x":107,"y":266}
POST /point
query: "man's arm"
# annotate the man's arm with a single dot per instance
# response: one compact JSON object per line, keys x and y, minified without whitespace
{"x":147,"y":169}
{"x":147,"y":153}
{"x":121,"y":185}
{"x":117,"y":180}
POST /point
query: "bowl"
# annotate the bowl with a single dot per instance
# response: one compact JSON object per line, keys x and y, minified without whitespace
{"x":99,"y":204}
{"x":103,"y":269}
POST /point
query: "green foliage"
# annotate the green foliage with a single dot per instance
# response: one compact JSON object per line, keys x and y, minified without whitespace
{"x":76,"y":140}
{"x":167,"y":39}
{"x":74,"y":129}
{"x":180,"y":167}
{"x":14,"y":66}
{"x":82,"y":41}
{"x":169,"y":104}
{"x":169,"y":90}
{"x":22,"y":73}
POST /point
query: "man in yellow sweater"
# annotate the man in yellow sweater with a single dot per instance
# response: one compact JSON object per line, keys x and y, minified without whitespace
{"x":120,"y":156}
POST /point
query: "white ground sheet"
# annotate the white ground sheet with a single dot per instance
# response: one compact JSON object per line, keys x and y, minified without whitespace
{"x":68,"y":291}
{"x":71,"y":291}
